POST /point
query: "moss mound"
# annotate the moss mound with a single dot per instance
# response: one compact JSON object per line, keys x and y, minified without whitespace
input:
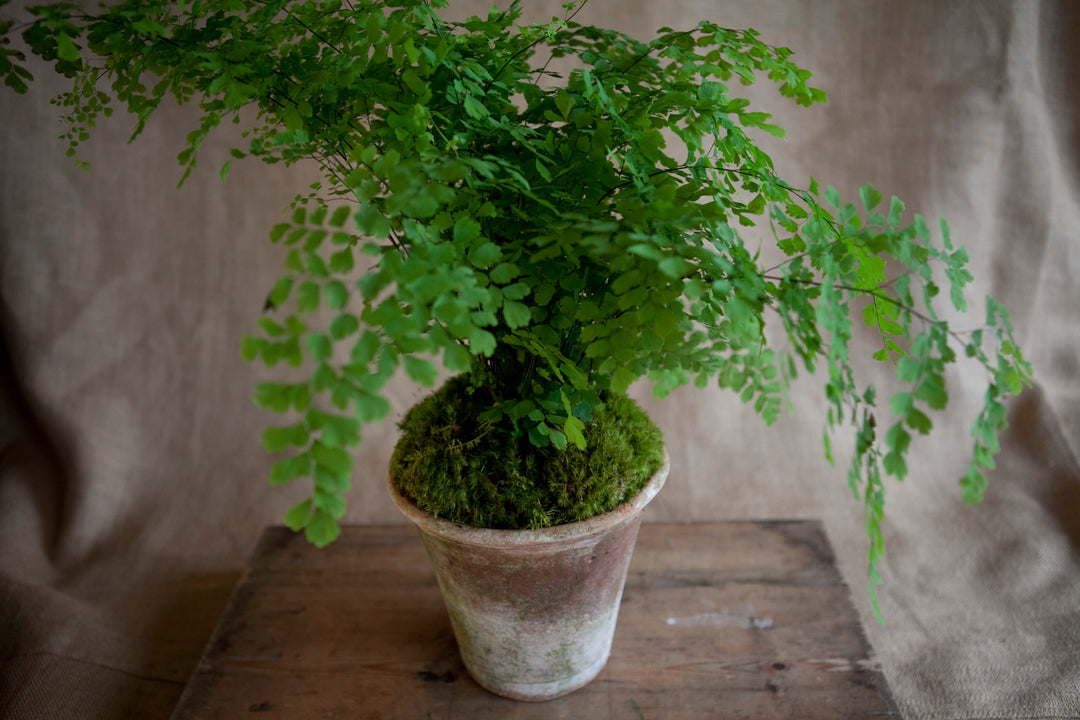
{"x":458,"y":468}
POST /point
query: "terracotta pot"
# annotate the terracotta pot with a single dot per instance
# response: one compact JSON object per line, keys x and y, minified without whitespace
{"x":534,"y":610}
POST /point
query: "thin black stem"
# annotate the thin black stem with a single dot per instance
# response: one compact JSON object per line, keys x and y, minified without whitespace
{"x":631,"y":181}
{"x":876,"y":296}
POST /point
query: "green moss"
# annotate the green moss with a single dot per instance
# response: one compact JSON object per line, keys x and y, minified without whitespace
{"x":457,"y":467}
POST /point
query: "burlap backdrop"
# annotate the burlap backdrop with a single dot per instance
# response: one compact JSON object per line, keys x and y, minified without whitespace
{"x":133,"y":485}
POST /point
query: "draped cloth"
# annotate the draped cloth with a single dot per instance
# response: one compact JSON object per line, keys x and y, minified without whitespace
{"x":132,"y":480}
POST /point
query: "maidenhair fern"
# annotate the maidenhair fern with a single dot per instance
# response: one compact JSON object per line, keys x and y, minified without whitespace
{"x":555,"y":236}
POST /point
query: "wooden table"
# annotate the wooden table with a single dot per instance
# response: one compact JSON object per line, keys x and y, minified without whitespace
{"x":719,"y":620}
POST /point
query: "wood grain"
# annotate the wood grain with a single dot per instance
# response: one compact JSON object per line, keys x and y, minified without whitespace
{"x":719,"y":620}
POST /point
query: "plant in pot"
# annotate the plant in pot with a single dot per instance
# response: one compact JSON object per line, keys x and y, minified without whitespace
{"x":553,"y":211}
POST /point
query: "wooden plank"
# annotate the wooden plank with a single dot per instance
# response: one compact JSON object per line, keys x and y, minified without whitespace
{"x":733,"y":620}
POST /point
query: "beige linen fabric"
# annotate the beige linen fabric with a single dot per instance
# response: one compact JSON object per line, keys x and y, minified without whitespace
{"x":132,"y":481}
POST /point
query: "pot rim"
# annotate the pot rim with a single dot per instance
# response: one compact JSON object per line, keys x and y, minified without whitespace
{"x":459,"y":532}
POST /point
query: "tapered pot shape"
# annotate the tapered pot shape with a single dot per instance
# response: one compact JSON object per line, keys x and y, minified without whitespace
{"x":534,"y":611}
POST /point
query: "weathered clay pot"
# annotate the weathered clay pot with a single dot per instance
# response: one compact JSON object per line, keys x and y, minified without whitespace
{"x":534,"y":610}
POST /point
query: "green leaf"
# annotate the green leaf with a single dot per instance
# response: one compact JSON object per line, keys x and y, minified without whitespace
{"x":322,"y":529}
{"x":932,"y":392}
{"x":14,"y":82}
{"x":330,"y":502}
{"x":565,"y":103}
{"x":674,"y":267}
{"x":484,"y":318}
{"x":456,"y":358}
{"x":485,"y":255}
{"x":922,"y":229}
{"x":543,"y":294}
{"x":307,"y":297}
{"x":422,"y":205}
{"x":250,"y":347}
{"x":538,"y":435}
{"x":273,"y":396}
{"x":319,"y":347}
{"x":371,"y":222}
{"x":871,"y":198}
{"x":774,"y":130}
{"x":65,"y":48}
{"x":298,"y":515}
{"x":338,"y":431}
{"x":757,"y":205}
{"x":896,"y":211}
{"x":958,"y":278}
{"x":621,"y":379}
{"x":270,"y":326}
{"x":557,"y":438}
{"x":832,"y":196}
{"x":901,"y":403}
{"x":898,"y":439}
{"x":295,"y":235}
{"x":481,"y":342}
{"x":341,"y":262}
{"x":946,"y":234}
{"x":315,"y":266}
{"x":475,"y":108}
{"x":323,"y":378}
{"x":333,"y":460}
{"x":504,"y":273}
{"x":340,"y":215}
{"x":371,"y":408}
{"x":276,"y":439}
{"x":363,"y":352}
{"x":908,"y":370}
{"x":336,"y":294}
{"x":293,"y":261}
{"x":516,"y":314}
{"x":343,"y":326}
{"x":326,"y":481}
{"x":974,"y":484}
{"x":287,"y":470}
{"x":299,"y":397}
{"x":280,"y":293}
{"x":290,"y":352}
{"x":272,"y":353}
{"x":516,"y":291}
{"x":421,"y":370}
{"x":574,"y":427}
{"x":895,"y":465}
{"x":291,"y":117}
{"x":918,"y":421}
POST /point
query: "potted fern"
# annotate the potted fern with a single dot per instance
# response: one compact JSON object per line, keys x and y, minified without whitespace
{"x":552,"y":212}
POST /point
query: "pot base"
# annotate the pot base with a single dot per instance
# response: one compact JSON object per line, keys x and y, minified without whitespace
{"x":542,"y":691}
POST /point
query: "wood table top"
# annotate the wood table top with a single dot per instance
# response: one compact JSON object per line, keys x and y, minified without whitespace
{"x":718,"y":620}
